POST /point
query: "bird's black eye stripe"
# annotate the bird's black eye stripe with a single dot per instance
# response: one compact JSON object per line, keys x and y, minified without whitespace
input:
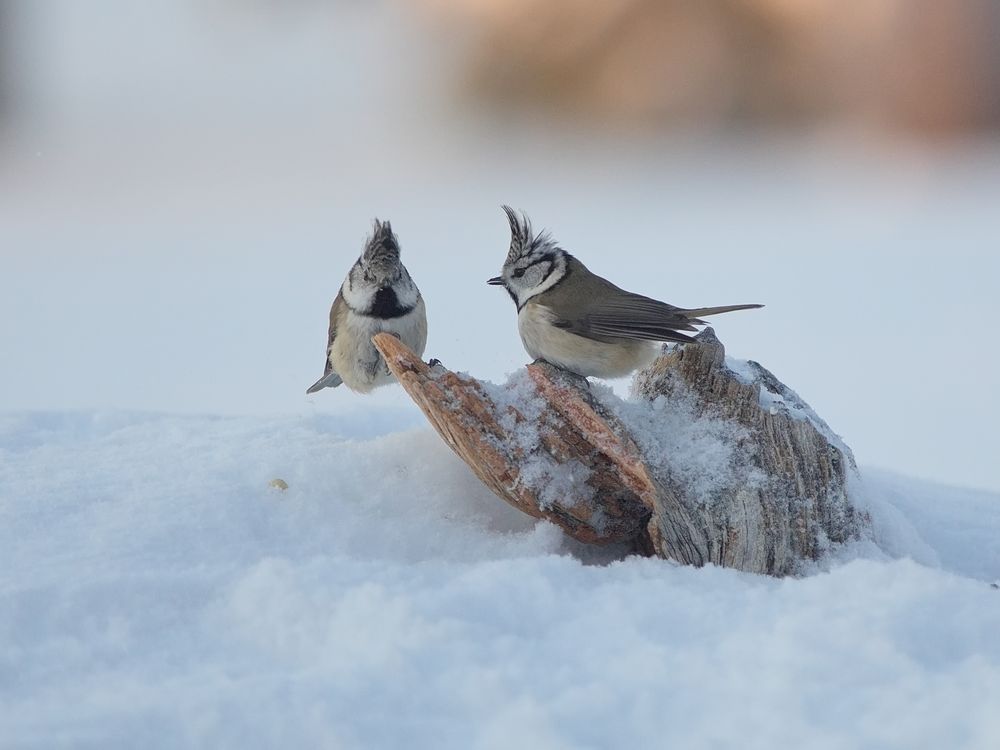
{"x":518,"y":273}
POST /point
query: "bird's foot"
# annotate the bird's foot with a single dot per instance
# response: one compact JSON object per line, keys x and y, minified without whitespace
{"x":568,"y":375}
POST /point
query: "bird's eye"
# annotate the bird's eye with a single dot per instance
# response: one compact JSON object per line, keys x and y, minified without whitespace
{"x":518,"y":273}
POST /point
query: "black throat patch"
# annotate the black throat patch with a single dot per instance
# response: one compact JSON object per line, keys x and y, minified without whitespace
{"x":386,"y":305}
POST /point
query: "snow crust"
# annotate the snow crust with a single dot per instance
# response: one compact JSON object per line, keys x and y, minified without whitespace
{"x":156,"y":592}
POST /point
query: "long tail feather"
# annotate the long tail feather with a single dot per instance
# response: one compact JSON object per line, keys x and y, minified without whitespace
{"x":327,"y":381}
{"x":697,"y":312}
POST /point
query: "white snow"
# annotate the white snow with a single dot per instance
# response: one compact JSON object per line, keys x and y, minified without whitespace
{"x":520,"y":407}
{"x":156,"y":592}
{"x":696,"y":450}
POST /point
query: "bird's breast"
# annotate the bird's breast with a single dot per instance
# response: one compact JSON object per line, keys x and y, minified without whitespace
{"x":588,"y":357}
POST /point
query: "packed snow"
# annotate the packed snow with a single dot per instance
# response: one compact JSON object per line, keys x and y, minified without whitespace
{"x":157,"y":592}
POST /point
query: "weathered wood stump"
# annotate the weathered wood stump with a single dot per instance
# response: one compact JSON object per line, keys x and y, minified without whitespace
{"x":709,"y":463}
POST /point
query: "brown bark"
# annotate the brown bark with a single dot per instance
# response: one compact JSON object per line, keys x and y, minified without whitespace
{"x":555,"y":450}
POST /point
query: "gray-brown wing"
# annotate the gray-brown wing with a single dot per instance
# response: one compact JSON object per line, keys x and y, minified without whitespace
{"x":330,"y":379}
{"x":621,"y":314}
{"x":334,"y":314}
{"x":593,"y":307}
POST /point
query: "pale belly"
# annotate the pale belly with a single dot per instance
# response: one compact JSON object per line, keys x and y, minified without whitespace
{"x":602,"y":359}
{"x":355,"y":358}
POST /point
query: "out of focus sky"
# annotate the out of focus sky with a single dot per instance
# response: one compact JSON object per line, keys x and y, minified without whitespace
{"x":183,"y":186}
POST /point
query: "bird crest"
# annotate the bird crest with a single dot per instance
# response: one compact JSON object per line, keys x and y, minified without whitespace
{"x":523,"y":240}
{"x":382,"y":240}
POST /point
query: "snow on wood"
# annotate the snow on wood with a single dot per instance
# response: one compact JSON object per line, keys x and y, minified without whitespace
{"x":707,"y":464}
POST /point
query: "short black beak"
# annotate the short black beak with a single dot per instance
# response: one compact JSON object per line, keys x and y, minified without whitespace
{"x":495,"y":281}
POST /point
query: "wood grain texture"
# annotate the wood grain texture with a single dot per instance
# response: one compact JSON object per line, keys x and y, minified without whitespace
{"x":796,"y":507}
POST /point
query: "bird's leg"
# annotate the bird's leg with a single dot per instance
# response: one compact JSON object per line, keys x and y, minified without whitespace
{"x":578,"y":379}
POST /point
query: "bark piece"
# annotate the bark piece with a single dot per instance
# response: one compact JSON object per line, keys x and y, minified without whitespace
{"x":603,"y":507}
{"x":555,"y":448}
{"x":797,"y":503}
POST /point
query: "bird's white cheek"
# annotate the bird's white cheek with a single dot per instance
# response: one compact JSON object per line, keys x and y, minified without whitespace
{"x":553,"y":278}
{"x":406,"y":293}
{"x":356,"y":299}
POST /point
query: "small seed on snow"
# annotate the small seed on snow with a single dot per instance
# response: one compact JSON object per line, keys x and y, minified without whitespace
{"x":278,"y":484}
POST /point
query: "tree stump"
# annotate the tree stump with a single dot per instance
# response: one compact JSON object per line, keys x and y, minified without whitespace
{"x":712,"y":461}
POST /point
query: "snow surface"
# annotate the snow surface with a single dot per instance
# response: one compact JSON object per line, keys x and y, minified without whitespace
{"x":155,"y":592}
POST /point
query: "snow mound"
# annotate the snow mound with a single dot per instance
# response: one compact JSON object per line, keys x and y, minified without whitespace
{"x":156,"y":592}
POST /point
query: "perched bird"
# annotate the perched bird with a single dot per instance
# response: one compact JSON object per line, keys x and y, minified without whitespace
{"x":377,"y":295}
{"x":577,"y":320}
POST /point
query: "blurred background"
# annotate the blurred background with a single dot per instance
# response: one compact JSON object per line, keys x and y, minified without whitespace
{"x":183,"y":186}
